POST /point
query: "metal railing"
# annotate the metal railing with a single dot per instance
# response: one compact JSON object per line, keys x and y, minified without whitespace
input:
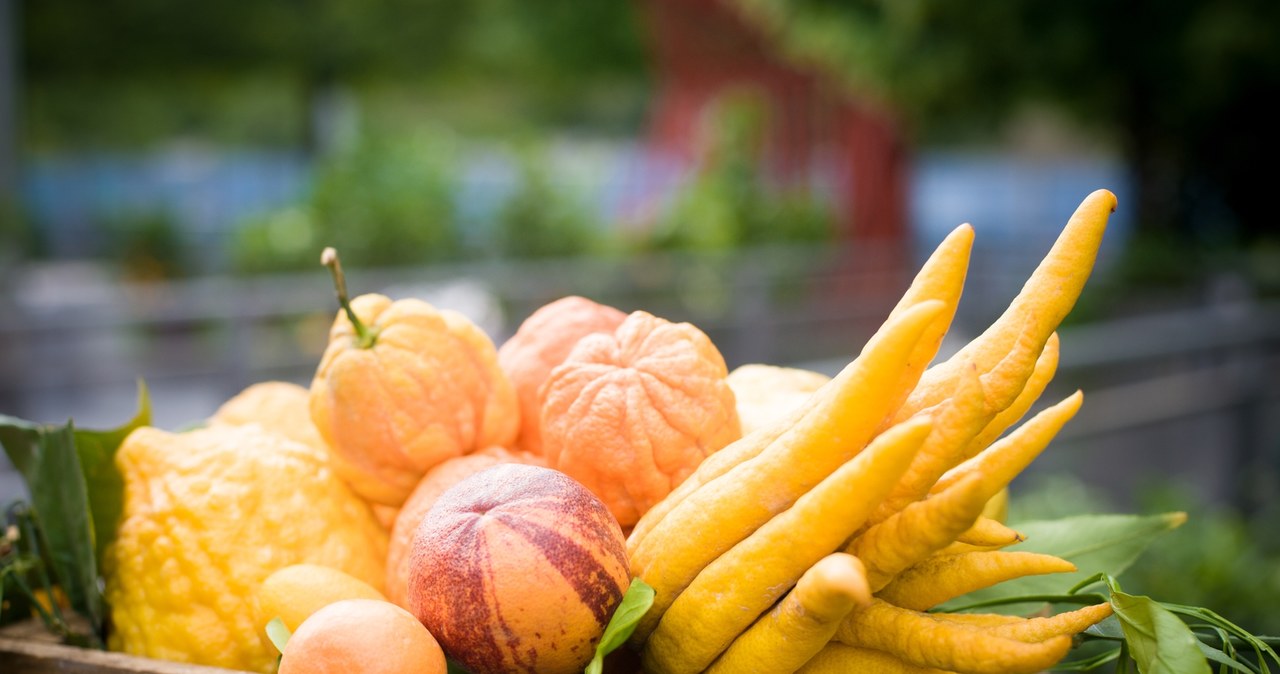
{"x":1193,"y":393}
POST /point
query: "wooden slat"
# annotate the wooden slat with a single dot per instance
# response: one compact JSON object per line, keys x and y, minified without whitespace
{"x":27,"y":656}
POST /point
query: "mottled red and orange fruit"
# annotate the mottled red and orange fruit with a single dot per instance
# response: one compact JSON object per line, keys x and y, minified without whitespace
{"x":518,"y":568}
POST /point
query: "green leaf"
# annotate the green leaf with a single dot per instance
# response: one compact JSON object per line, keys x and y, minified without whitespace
{"x":68,"y":473}
{"x":635,"y":603}
{"x":1094,"y":543}
{"x":1159,"y":642}
{"x":1221,"y":657}
{"x":46,"y":457}
{"x":1107,"y":629}
{"x":97,"y":450}
{"x":278,"y":633}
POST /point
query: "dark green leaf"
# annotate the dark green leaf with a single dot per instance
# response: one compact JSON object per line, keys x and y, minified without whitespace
{"x":67,"y":473}
{"x":1107,"y":629}
{"x":278,"y":633}
{"x":61,"y":501}
{"x":21,"y":442}
{"x":1221,"y":657}
{"x":1090,"y":663}
{"x":1094,"y":543}
{"x":635,"y":603}
{"x":97,"y":450}
{"x":46,"y":458}
{"x":1159,"y":642}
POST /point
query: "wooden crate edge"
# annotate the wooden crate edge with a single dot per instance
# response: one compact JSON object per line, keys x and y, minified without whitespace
{"x":24,"y":656}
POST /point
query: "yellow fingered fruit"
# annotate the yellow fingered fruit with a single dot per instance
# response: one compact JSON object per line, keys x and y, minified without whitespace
{"x":919,"y":530}
{"x":802,"y":623}
{"x":958,"y":420}
{"x":1001,"y":462}
{"x":944,"y":577}
{"x":989,"y":533}
{"x":744,"y":582}
{"x":837,"y":658}
{"x":1041,"y":374}
{"x":927,"y":641}
{"x":889,"y":469}
{"x":724,"y":511}
{"x":1035,"y":630}
{"x":1045,"y":299}
{"x":941,"y":279}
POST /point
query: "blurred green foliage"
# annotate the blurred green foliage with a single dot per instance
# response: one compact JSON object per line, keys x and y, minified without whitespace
{"x":729,"y":202}
{"x":1220,"y":559}
{"x":17,"y":237}
{"x":147,"y":246}
{"x":1178,"y":87}
{"x":385,"y":201}
{"x":543,"y":220}
{"x":248,"y":72}
{"x":392,"y":201}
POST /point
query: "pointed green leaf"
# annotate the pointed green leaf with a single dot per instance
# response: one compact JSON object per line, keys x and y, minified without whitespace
{"x":97,"y":451}
{"x":278,"y":633}
{"x":1107,"y":629}
{"x":1094,"y":543}
{"x":635,"y":603}
{"x":21,"y":442}
{"x":76,"y":494}
{"x":1221,"y":657}
{"x":1159,"y":642}
{"x":46,"y":457}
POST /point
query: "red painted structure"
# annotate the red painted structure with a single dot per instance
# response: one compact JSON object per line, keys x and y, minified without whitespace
{"x":704,"y":48}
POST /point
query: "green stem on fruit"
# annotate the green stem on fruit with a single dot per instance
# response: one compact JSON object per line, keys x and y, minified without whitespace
{"x":365,"y":335}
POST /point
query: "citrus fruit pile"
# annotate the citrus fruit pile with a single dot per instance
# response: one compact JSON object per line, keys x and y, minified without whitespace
{"x":433,"y":498}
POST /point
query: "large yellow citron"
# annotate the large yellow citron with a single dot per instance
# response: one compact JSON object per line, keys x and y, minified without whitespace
{"x":208,"y":515}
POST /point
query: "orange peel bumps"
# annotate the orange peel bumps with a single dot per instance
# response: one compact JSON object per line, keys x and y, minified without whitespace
{"x":541,"y":343}
{"x":403,"y":386}
{"x":631,"y":414}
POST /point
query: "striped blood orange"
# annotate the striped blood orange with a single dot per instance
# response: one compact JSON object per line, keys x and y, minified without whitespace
{"x":517,"y":568}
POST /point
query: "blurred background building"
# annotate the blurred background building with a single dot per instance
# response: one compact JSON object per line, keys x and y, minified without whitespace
{"x":771,"y":171}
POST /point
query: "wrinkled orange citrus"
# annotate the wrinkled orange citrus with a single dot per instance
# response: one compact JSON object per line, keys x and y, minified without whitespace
{"x":425,"y":388}
{"x":631,"y":414}
{"x":542,"y":342}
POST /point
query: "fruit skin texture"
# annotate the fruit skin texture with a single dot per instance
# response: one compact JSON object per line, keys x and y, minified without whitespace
{"x":428,"y":388}
{"x":362,"y":636}
{"x":278,"y":406}
{"x":541,"y":343}
{"x":632,"y":414}
{"x":208,"y":515}
{"x":765,"y":394}
{"x":518,"y":569}
{"x":295,"y":592}
{"x":433,"y":484}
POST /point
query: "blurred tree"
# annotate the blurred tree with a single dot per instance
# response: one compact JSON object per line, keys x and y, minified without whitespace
{"x":728,"y":202}
{"x":1181,"y":86}
{"x":102,"y":50}
{"x":383,"y":201}
{"x":541,"y":221}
